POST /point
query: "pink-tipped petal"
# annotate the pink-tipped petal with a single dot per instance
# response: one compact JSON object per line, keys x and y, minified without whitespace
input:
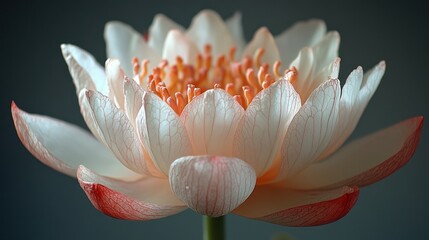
{"x":162,"y":132}
{"x":366,"y":160}
{"x":207,"y":27}
{"x":263,"y":39}
{"x":178,"y":45}
{"x":159,"y":29}
{"x":356,"y":93}
{"x":64,"y":147}
{"x":115,"y":78}
{"x":236,"y":29}
{"x":298,"y":208}
{"x":212,"y":185}
{"x":311,"y":129}
{"x":124,"y":43}
{"x":145,"y":199}
{"x":300,"y":35}
{"x":133,"y":99}
{"x":211,"y":120}
{"x":264,"y":124}
{"x":115,"y":130}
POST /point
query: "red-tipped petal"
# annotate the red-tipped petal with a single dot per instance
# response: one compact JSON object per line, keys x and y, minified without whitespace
{"x":298,"y":208}
{"x":366,"y":160}
{"x":145,"y":199}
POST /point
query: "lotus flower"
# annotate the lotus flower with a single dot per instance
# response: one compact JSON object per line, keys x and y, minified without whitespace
{"x":197,"y":118}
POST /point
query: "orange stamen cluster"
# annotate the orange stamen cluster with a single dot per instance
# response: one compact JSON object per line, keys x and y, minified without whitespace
{"x":180,"y":83}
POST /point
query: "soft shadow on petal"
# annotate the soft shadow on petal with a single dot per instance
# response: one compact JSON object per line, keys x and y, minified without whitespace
{"x":159,"y":29}
{"x":212,"y":185}
{"x":124,"y":43}
{"x":143,"y":199}
{"x":115,"y":131}
{"x":133,"y":99}
{"x":207,"y":27}
{"x":178,"y":45}
{"x":311,"y":129}
{"x":211,"y":120}
{"x":115,"y":79}
{"x":264,"y":124}
{"x":366,"y":160}
{"x":263,"y":39}
{"x":300,"y":35}
{"x":64,"y":146}
{"x":162,"y":132}
{"x":84,"y":69}
{"x":298,"y":208}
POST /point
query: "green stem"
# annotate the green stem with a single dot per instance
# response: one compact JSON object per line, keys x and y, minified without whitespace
{"x":213,"y":228}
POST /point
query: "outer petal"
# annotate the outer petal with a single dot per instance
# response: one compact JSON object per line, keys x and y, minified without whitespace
{"x":355,"y":96}
{"x":311,"y":129}
{"x":177,"y":44}
{"x":263,"y":39}
{"x":264,"y":125}
{"x":366,"y":160}
{"x":124,"y":43}
{"x":211,"y":120}
{"x":64,"y":147}
{"x":298,"y":208}
{"x":236,"y":29}
{"x":212,"y":185}
{"x":84,"y":69}
{"x":115,"y":78}
{"x":115,"y":130}
{"x":144,"y":199}
{"x":162,"y":132}
{"x":133,"y":99}
{"x":300,"y":35}
{"x":207,"y":27}
{"x":159,"y":29}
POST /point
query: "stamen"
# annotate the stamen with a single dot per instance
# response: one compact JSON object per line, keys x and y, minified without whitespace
{"x":258,"y":56}
{"x":276,"y":69}
{"x":178,"y":84}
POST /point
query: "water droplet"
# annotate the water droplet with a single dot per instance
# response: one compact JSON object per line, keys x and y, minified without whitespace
{"x":187,"y":187}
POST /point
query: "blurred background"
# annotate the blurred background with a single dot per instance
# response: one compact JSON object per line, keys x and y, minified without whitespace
{"x":39,"y":203}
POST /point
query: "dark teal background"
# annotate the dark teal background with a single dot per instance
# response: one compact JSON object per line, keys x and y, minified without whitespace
{"x":39,"y":203}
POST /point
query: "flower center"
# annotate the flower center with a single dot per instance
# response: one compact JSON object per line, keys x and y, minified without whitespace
{"x":179,"y":83}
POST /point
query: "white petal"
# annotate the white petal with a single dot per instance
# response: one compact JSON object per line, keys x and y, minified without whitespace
{"x":212,"y":185}
{"x":115,"y":78}
{"x":356,"y":93}
{"x":300,"y":35}
{"x":162,"y":132}
{"x":263,"y":39}
{"x":124,"y":43}
{"x":366,"y":160}
{"x":311,"y":129}
{"x":64,"y":146}
{"x":177,"y":44}
{"x":84,"y":69}
{"x":207,"y":27}
{"x":145,"y":199}
{"x":236,"y":29}
{"x":298,"y":208}
{"x":159,"y":29}
{"x":309,"y":75}
{"x":263,"y":127}
{"x":115,"y":130}
{"x":326,"y":51}
{"x":133,"y":99}
{"x":211,"y":120}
